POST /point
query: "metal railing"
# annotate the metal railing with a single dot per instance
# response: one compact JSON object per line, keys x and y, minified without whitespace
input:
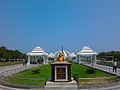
{"x":107,"y":69}
{"x":14,"y":71}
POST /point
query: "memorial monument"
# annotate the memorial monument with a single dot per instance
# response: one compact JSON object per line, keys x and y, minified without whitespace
{"x":61,"y":75}
{"x":61,"y":69}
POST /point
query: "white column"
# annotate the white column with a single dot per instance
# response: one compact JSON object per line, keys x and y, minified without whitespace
{"x":76,"y":58}
{"x":46,"y":60}
{"x":95,"y":59}
{"x":43,"y":59}
{"x":79,"y":59}
{"x":28,"y":62}
{"x":91,"y":58}
{"x":91,"y":61}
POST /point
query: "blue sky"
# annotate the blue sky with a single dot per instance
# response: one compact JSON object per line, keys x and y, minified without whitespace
{"x":50,"y":24}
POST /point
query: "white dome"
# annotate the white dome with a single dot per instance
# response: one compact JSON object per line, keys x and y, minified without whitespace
{"x":86,"y":48}
{"x":37,"y":50}
{"x":87,"y":51}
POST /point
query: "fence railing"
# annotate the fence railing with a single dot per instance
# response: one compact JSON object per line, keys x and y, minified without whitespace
{"x":108,"y":69}
{"x":104,"y":68}
{"x":14,"y":71}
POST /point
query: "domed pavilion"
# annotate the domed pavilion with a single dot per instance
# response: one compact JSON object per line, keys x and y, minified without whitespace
{"x":86,"y":53}
{"x":37,"y":56}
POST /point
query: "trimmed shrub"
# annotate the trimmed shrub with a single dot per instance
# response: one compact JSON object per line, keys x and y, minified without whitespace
{"x":35,"y":70}
{"x":76,"y":76}
{"x":90,"y":71}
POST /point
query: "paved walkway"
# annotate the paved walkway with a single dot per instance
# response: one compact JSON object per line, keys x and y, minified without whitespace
{"x":6,"y":68}
{"x":11,"y":67}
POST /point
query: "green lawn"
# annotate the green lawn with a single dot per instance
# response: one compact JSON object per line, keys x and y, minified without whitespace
{"x":81,"y":69}
{"x":37,"y":76}
{"x":43,"y":72}
{"x":29,"y":77}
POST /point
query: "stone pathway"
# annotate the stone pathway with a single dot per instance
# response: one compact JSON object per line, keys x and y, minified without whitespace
{"x":6,"y":68}
{"x":11,"y":67}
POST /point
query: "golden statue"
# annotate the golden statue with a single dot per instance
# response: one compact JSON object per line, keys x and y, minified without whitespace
{"x":60,"y":57}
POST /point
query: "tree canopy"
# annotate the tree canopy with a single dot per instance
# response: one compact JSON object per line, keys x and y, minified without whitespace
{"x":113,"y":54}
{"x":11,"y":54}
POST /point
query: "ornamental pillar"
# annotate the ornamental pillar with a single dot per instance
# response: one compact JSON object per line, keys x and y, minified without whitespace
{"x":79,"y":59}
{"x":28,"y":62}
{"x":95,"y":59}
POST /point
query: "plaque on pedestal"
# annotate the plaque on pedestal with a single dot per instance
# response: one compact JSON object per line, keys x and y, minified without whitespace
{"x":61,"y":71}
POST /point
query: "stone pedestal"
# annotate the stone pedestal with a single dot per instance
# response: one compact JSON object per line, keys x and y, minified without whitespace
{"x":61,"y":71}
{"x":72,"y":85}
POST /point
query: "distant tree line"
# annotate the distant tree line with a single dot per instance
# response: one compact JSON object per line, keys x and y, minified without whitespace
{"x":115,"y":55}
{"x":11,"y":55}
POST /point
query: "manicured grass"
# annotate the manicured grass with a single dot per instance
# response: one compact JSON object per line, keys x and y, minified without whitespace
{"x":9,"y":63}
{"x":44,"y":72}
{"x":29,"y":77}
{"x":37,"y":76}
{"x":81,"y":69}
{"x":26,"y":81}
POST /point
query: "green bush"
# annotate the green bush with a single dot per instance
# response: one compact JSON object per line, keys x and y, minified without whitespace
{"x":76,"y":76}
{"x":35,"y":70}
{"x":90,"y":71}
